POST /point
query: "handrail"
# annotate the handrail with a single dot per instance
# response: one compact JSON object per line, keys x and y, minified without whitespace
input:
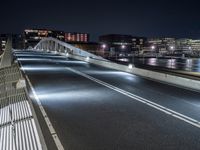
{"x":18,"y":124}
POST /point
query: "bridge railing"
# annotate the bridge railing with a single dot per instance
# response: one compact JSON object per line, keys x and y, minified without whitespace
{"x":19,"y":127}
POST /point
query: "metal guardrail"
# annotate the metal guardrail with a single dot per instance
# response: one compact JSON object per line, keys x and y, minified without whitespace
{"x":18,"y":129}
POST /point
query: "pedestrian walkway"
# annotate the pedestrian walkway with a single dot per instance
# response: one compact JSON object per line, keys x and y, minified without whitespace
{"x":18,"y":130}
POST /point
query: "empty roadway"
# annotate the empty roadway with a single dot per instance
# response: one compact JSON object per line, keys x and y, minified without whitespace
{"x":95,"y":108}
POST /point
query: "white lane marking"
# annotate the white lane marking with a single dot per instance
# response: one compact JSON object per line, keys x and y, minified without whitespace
{"x":44,"y":114}
{"x":166,"y":110}
{"x":46,"y":118}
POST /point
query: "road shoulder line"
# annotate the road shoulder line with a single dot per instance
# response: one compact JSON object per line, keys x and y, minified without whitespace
{"x":46,"y":118}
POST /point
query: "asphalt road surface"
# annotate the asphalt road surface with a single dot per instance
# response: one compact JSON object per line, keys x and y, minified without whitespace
{"x":95,"y":108}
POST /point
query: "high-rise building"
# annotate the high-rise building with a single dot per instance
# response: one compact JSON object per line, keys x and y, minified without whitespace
{"x":76,"y":37}
{"x":33,"y":36}
{"x":188,"y":45}
{"x":138,"y":43}
{"x":162,"y":45}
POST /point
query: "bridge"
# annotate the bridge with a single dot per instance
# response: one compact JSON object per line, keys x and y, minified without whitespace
{"x":56,"y":96}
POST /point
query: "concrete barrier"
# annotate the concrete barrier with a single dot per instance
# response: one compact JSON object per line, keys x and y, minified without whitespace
{"x":161,"y":77}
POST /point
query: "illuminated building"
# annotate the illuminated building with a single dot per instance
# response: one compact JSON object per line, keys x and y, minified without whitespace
{"x":138,"y":43}
{"x":161,"y":45}
{"x":33,"y":36}
{"x":188,"y":44}
{"x":76,"y":37}
{"x":121,"y":45}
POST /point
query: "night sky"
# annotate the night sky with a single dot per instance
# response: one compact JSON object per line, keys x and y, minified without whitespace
{"x":150,"y":18}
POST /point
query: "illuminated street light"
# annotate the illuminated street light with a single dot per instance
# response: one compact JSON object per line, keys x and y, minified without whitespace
{"x":123,"y":46}
{"x":153,"y":47}
{"x":104,"y":46}
{"x":172,"y":47}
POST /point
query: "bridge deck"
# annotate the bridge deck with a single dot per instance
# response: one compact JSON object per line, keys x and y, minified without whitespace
{"x":97,"y":108}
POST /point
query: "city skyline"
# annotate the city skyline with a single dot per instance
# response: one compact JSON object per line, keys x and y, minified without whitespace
{"x":177,"y":19}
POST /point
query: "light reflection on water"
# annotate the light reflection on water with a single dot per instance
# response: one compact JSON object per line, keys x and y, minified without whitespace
{"x":171,"y":63}
{"x":189,"y":64}
{"x":152,"y":61}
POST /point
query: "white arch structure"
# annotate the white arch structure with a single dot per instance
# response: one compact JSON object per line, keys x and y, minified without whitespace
{"x":55,"y":45}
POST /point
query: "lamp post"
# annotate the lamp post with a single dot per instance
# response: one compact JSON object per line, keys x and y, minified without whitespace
{"x":103,"y":47}
{"x":153,"y":47}
{"x":172,"y":51}
{"x":123,"y":46}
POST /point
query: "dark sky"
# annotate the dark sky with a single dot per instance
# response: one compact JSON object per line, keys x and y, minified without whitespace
{"x":150,"y":18}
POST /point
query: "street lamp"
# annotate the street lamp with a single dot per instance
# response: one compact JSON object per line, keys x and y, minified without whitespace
{"x":104,"y":46}
{"x":123,"y":46}
{"x":153,"y":47}
{"x":171,"y":47}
